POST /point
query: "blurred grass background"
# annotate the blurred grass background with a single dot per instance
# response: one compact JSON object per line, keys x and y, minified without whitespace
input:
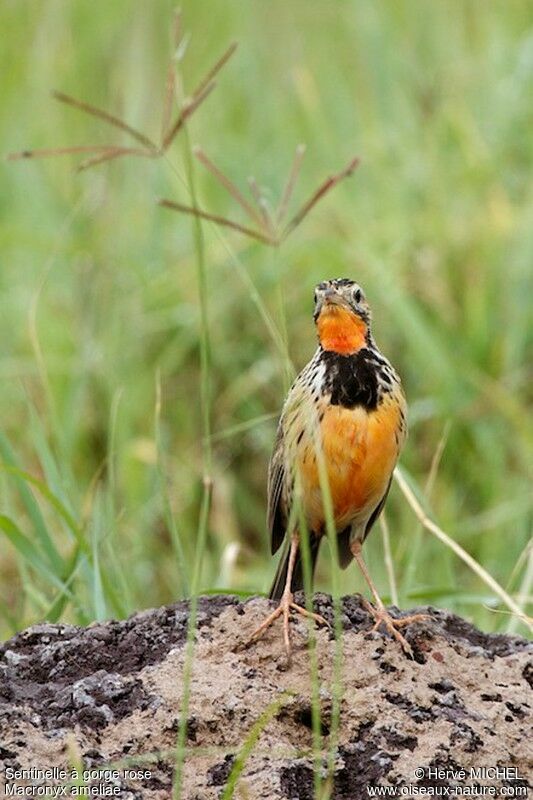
{"x":99,"y":300}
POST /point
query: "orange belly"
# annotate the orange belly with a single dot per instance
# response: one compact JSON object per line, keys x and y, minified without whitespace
{"x":360,"y":452}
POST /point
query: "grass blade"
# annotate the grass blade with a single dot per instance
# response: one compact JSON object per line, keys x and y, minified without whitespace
{"x":54,"y":501}
{"x":251,"y":740}
{"x":29,"y":553}
{"x":98,"y":596}
{"x":55,"y":610}
{"x":31,"y":506}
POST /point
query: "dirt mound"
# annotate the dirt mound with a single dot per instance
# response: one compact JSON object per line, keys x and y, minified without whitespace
{"x":108,"y":697}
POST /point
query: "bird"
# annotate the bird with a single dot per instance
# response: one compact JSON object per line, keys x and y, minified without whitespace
{"x":344,"y":420}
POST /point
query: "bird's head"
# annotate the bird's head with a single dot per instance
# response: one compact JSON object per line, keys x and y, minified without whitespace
{"x":342,"y":316}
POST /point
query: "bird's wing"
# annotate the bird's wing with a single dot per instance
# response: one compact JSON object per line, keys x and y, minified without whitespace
{"x":343,"y":547}
{"x":276,"y":521}
{"x":377,"y":511}
{"x":297,"y":398}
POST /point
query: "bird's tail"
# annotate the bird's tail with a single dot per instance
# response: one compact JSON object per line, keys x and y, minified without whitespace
{"x":297,"y":581}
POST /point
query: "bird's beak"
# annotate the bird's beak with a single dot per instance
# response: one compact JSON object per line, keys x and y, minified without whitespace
{"x":328,"y":302}
{"x":333,"y":298}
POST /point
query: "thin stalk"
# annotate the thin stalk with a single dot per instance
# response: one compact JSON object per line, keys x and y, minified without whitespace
{"x":215,"y":69}
{"x":523,"y":592}
{"x":123,"y":584}
{"x":288,"y":367}
{"x":47,"y":152}
{"x":255,"y":297}
{"x":313,"y":657}
{"x":171,"y":523}
{"x":242,"y":427}
{"x":99,"y":606}
{"x":207,"y":457}
{"x":228,"y":185}
{"x":219,"y":220}
{"x":433,"y":528}
{"x":416,"y":544}
{"x":33,"y":330}
{"x":389,"y":564}
{"x":187,"y":109}
{"x":525,"y":555}
{"x":105,"y":116}
{"x":331,"y":532}
{"x":317,"y":195}
{"x":170,"y":88}
{"x":113,"y":153}
{"x":291,"y":182}
{"x":262,"y":206}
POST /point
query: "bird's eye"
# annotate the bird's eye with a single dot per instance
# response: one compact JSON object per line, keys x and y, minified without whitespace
{"x":358,"y":295}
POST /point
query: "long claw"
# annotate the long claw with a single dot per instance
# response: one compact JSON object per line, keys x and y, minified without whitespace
{"x":382,"y":617}
{"x":285,"y":608}
{"x":309,"y":614}
{"x":402,"y":622}
{"x":264,"y":625}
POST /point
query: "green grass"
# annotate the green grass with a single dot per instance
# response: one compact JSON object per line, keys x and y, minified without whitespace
{"x":103,"y":329}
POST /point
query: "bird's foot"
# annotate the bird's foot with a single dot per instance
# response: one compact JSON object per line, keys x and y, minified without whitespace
{"x":391,"y":624}
{"x":285,"y":608}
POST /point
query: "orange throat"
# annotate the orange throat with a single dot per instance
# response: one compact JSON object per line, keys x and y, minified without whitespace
{"x":340,"y":330}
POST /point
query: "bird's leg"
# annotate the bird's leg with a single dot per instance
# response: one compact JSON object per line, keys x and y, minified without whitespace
{"x":286,"y":606}
{"x":379,"y":612}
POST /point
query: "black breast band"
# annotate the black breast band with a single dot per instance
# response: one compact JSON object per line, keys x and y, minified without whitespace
{"x":352,"y":379}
